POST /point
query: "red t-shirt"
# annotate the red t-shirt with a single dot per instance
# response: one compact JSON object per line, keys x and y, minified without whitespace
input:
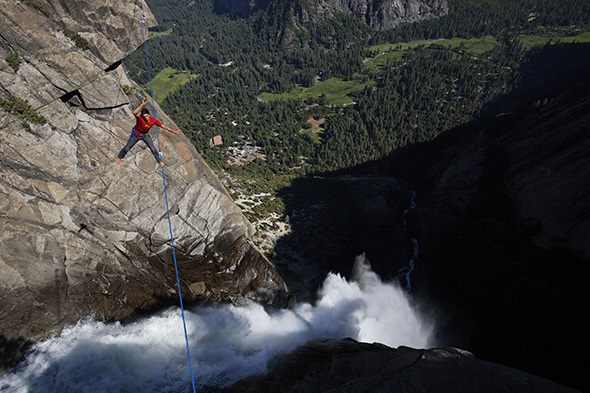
{"x":143,"y":126}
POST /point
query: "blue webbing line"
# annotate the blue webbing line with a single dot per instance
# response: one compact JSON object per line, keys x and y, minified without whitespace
{"x":167,"y":207}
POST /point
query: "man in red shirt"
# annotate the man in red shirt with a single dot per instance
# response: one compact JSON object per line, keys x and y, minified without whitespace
{"x":140,"y":132}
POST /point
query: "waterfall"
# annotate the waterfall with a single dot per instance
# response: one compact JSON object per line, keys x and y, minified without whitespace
{"x":406,"y":271}
{"x":227,"y":342}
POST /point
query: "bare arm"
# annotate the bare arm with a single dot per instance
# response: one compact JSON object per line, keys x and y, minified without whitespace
{"x":136,"y":110}
{"x":177,"y":132}
{"x":145,"y":101}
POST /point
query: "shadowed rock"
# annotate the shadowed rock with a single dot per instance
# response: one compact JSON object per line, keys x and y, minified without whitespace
{"x":350,"y":366}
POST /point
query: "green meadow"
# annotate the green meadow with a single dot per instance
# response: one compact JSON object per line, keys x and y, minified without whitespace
{"x":335,"y":90}
{"x":161,"y":34}
{"x":390,"y":52}
{"x":167,"y":81}
{"x":388,"y":47}
{"x":316,"y":137}
{"x":473,"y":46}
{"x":531,"y":40}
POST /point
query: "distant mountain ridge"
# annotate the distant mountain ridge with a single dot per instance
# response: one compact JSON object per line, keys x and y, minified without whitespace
{"x":379,"y":14}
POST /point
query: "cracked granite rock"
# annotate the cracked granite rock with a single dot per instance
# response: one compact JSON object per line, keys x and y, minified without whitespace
{"x":81,"y":235}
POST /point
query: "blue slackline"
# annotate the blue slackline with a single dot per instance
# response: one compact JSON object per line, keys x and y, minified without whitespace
{"x":167,"y":207}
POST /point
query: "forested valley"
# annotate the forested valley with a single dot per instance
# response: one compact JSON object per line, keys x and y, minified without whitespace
{"x":362,"y":93}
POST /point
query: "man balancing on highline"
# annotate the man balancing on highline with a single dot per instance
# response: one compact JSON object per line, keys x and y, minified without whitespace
{"x":140,"y":132}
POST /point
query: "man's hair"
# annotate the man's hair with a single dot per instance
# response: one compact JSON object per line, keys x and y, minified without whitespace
{"x":145,"y":112}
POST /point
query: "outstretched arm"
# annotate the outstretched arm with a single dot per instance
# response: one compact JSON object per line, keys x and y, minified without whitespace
{"x":136,"y":110}
{"x":177,"y":132}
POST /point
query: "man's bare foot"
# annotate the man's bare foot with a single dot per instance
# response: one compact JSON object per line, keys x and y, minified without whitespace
{"x":118,"y":160}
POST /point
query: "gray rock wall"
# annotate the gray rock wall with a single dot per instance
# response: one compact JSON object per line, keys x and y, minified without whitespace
{"x":387,"y":14}
{"x":84,"y":236}
{"x":379,"y":14}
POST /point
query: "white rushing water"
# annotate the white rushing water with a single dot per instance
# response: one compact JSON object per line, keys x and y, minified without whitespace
{"x":227,"y":343}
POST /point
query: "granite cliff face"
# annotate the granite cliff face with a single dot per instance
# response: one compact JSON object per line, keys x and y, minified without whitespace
{"x":81,"y":235}
{"x":386,"y":14}
{"x":380,"y":14}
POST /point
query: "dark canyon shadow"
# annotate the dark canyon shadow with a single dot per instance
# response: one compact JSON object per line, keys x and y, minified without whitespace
{"x":336,"y":217}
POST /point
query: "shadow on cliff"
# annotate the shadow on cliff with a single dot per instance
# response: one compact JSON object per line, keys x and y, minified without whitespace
{"x":12,"y":352}
{"x":506,"y":295}
{"x":336,"y":217}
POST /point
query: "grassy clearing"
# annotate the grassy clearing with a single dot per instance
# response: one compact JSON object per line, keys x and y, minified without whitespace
{"x":474,"y":46}
{"x":388,"y":47}
{"x":336,"y":91}
{"x":316,"y":137}
{"x":529,"y":41}
{"x":161,"y":34}
{"x":166,"y":82}
{"x":583,"y":38}
{"x":391,"y":52}
{"x":383,"y":59}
